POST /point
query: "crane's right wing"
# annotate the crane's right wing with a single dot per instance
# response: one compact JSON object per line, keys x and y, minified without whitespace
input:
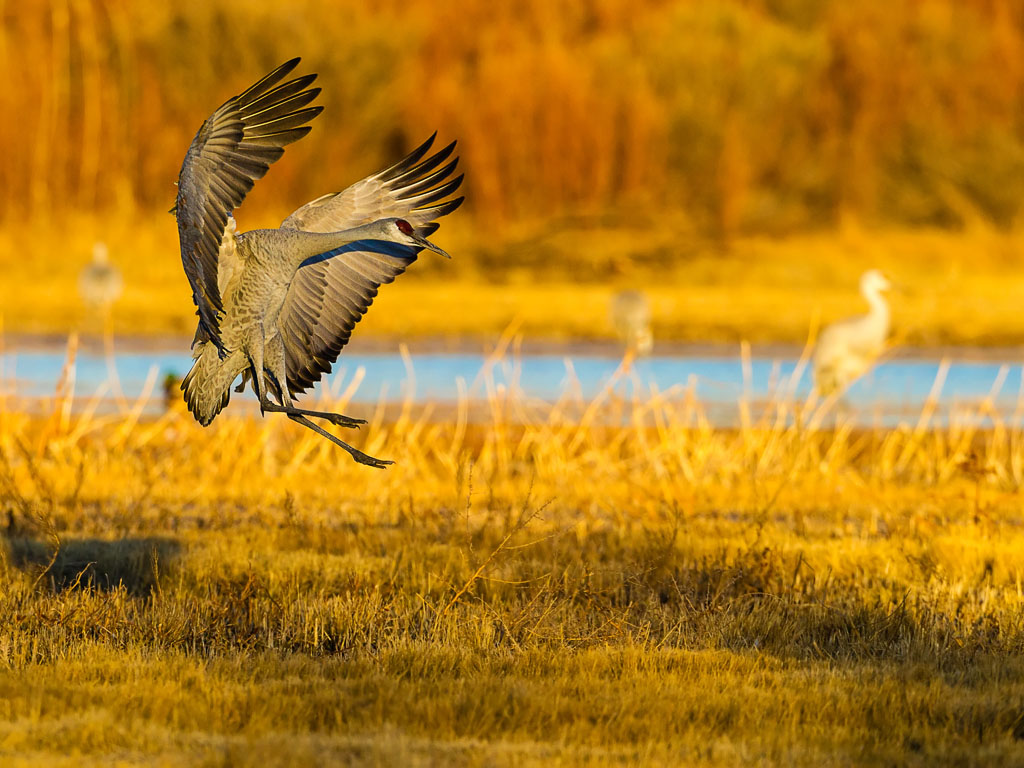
{"x":401,"y":190}
{"x":331,"y":292}
{"x":232,"y":149}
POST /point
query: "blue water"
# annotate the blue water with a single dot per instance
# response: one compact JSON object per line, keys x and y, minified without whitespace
{"x":900,"y":385}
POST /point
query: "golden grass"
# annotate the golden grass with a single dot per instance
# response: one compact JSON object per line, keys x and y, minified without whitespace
{"x":609,"y":582}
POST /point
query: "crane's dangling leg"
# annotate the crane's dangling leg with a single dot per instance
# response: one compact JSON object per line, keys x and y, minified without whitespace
{"x":269,"y":358}
{"x":335,"y":418}
{"x":274,"y":367}
{"x":340,"y":420}
{"x":276,"y":372}
{"x":356,"y":454}
{"x":255,"y":366}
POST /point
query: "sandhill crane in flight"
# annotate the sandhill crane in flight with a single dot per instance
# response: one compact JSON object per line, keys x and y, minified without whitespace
{"x":278,"y":305}
{"x":848,"y":348}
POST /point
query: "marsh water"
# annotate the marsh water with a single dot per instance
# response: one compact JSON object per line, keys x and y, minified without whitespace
{"x":720,"y":378}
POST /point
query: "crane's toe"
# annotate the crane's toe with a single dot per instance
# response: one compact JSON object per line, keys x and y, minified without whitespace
{"x":370,"y":461}
{"x":344,"y":421}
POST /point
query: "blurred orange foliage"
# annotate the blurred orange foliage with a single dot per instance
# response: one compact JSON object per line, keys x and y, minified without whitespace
{"x":739,"y":115}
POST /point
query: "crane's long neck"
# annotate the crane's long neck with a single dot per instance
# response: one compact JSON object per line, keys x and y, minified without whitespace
{"x":879,"y":307}
{"x":300,"y":246}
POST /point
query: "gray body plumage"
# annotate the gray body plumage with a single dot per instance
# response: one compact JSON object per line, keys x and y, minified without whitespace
{"x":278,"y":305}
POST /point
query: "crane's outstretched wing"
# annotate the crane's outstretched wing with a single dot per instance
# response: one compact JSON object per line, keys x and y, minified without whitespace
{"x":332,"y":291}
{"x":232,"y":149}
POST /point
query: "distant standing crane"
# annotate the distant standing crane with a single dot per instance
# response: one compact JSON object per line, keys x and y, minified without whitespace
{"x":278,"y":305}
{"x":631,"y":318}
{"x":847,"y":349}
{"x":99,"y":283}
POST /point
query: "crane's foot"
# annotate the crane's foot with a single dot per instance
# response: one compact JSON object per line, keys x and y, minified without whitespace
{"x":368,"y":460}
{"x":337,"y":418}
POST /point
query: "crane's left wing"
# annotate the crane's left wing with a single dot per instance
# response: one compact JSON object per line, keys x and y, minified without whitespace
{"x":232,"y":149}
{"x":331,"y":292}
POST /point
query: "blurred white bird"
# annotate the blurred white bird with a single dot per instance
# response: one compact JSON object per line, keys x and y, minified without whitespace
{"x":99,"y":285}
{"x":848,"y":348}
{"x":99,"y":282}
{"x":631,"y":318}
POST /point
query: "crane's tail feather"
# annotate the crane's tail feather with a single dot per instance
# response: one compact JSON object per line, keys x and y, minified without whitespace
{"x":207,"y":386}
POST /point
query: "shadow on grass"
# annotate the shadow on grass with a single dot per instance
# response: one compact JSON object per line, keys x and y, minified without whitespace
{"x":759,"y":600}
{"x":135,"y":563}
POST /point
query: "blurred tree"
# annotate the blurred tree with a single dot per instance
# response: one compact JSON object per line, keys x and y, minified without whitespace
{"x":741,"y":115}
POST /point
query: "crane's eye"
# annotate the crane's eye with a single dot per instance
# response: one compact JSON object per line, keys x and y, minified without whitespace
{"x":404,"y":226}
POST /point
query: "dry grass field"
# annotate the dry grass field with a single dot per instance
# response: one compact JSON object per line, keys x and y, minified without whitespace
{"x":607,"y":582}
{"x":604,"y":583}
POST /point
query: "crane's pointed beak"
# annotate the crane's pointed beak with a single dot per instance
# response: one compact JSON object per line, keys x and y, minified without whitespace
{"x":429,"y":245}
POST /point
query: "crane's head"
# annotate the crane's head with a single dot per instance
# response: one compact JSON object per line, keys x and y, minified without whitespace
{"x":100,"y":253}
{"x":401,"y":231}
{"x":873,"y":281}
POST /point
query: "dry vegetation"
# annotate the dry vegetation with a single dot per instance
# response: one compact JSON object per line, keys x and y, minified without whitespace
{"x":760,"y":116}
{"x":604,"y":583}
{"x":610,"y":582}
